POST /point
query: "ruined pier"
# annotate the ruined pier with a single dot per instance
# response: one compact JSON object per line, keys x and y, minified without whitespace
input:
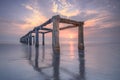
{"x":31,"y":39}
{"x":56,"y":20}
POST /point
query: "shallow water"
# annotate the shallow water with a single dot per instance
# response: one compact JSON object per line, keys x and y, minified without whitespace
{"x":21,"y":62}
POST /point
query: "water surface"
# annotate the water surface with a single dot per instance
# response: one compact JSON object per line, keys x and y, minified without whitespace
{"x":22,"y":62}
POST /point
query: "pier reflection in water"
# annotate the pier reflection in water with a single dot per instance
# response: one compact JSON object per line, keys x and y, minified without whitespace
{"x":36,"y":57}
{"x":30,"y":53}
{"x":81,"y":65}
{"x":54,"y":71}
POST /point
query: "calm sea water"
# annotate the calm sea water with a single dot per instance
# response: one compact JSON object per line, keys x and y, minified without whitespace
{"x":19,"y":61}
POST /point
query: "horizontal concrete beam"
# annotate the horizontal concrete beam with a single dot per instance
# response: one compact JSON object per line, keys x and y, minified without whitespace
{"x":44,"y":24}
{"x":68,"y":21}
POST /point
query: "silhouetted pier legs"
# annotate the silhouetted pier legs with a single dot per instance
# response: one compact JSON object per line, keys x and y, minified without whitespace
{"x":56,"y":65}
{"x":81,"y":51}
{"x":56,"y":46}
{"x":33,"y":40}
{"x":36,"y":57}
{"x":80,"y":37}
{"x":27,"y":40}
{"x":36,"y":38}
{"x":36,"y":47}
{"x":43,"y":39}
{"x":43,"y":53}
{"x":30,"y":39}
{"x":81,"y":65}
{"x":30,"y":53}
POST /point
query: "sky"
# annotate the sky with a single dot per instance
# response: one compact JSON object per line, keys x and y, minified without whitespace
{"x":101,"y":17}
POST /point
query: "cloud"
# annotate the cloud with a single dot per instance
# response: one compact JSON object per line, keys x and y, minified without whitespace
{"x":26,"y":23}
{"x":10,"y":27}
{"x":99,"y":19}
{"x":96,"y":19}
{"x":64,"y":8}
{"x":35,"y":18}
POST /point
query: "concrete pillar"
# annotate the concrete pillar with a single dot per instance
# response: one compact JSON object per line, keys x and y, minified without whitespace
{"x":80,"y":37}
{"x":37,"y":38}
{"x":33,"y":39}
{"x":30,"y":39}
{"x":56,"y":45}
{"x":43,"y":39}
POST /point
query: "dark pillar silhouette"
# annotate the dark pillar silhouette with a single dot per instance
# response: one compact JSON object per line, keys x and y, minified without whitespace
{"x":37,"y":38}
{"x":81,"y":65}
{"x":30,"y":39}
{"x":36,"y":57}
{"x":56,"y":46}
{"x":80,"y":37}
{"x":43,"y":39}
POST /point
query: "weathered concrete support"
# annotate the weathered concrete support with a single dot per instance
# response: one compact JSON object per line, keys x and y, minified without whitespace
{"x":55,"y":45}
{"x":43,"y":39}
{"x":33,"y":40}
{"x":30,"y":39}
{"x":80,"y":37}
{"x":26,"y":40}
{"x":37,"y":38}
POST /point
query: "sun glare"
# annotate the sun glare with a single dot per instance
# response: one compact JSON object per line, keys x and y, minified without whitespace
{"x":71,"y":36}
